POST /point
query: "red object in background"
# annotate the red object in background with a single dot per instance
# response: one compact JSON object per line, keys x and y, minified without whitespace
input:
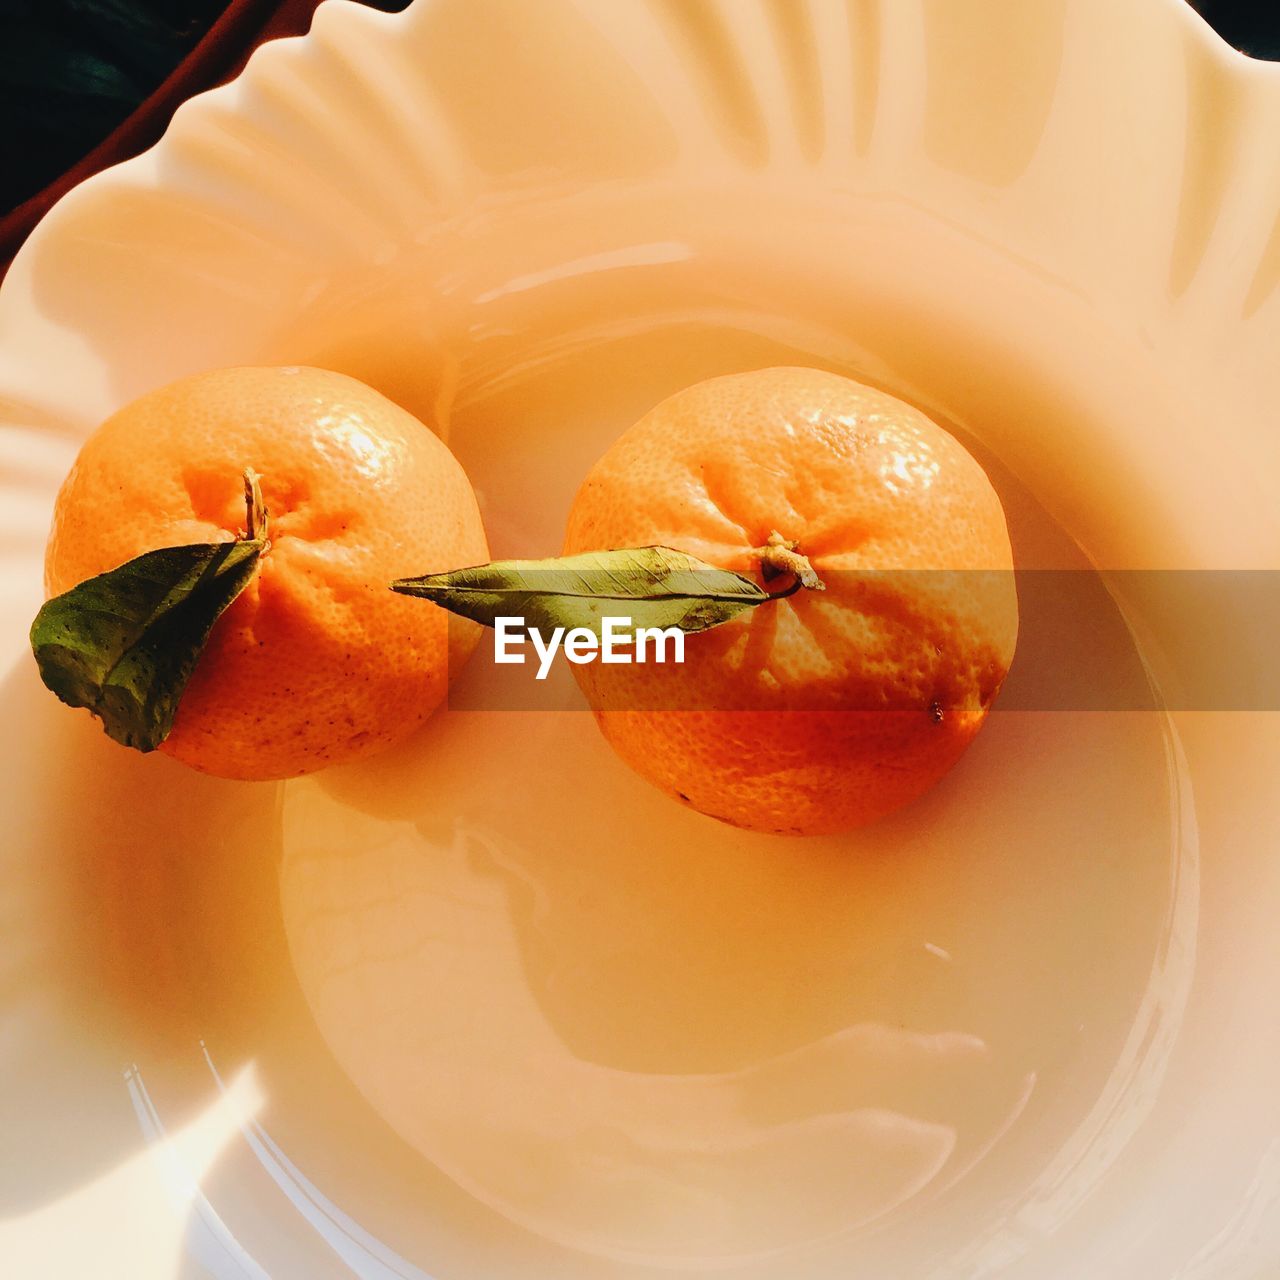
{"x":218,"y":57}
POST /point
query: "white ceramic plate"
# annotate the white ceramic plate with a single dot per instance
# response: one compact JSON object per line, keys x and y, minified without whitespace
{"x":487,"y":1006}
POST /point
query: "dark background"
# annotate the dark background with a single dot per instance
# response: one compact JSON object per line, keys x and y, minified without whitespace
{"x":1251,"y":25}
{"x":84,"y":83}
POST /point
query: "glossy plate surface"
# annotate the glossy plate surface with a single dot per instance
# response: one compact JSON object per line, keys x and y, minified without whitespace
{"x":487,"y":1006}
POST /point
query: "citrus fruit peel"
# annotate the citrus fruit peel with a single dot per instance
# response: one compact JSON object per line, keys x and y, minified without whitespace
{"x":306,"y":659}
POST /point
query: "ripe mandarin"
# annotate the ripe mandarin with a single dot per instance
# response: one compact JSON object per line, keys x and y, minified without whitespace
{"x":828,"y":709}
{"x":316,"y":662}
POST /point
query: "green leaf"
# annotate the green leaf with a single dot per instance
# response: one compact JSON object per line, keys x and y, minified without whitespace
{"x":124,"y":644}
{"x":653,"y":586}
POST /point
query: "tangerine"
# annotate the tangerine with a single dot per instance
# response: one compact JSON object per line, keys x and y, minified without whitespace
{"x":830,"y":708}
{"x":316,"y":662}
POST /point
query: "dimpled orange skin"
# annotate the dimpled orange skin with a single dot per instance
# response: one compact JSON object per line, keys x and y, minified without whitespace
{"x":317,"y":661}
{"x":755,"y":727}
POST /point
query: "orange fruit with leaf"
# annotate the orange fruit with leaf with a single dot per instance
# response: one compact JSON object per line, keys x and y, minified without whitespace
{"x":245,"y":627}
{"x":857,"y":692}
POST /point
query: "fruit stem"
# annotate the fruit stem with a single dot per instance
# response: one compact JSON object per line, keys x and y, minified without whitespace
{"x":255,"y":508}
{"x":779,"y":556}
